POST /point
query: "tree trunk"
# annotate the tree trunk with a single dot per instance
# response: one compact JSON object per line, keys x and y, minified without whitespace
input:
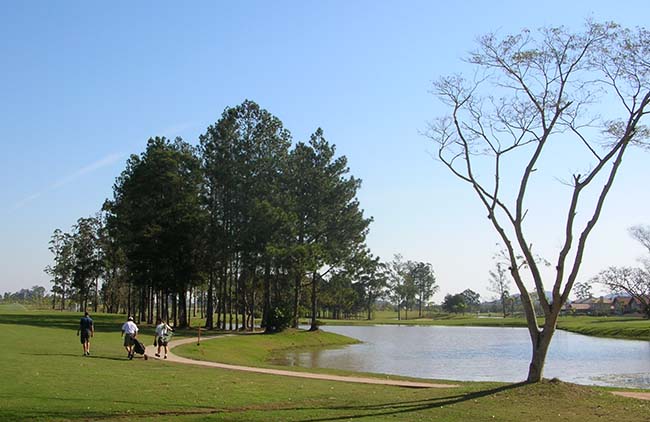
{"x":142,"y":312}
{"x":96,"y":295}
{"x":224,"y":292}
{"x":230,"y":276}
{"x":266,"y":309}
{"x":252,"y":307}
{"x":182,"y":308}
{"x":540,"y":348}
{"x":314,"y":290}
{"x":369,"y":307}
{"x":175,"y":309}
{"x":296,"y":298}
{"x":209,"y":312}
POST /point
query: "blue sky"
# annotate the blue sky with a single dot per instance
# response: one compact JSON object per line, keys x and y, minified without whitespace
{"x":85,"y":84}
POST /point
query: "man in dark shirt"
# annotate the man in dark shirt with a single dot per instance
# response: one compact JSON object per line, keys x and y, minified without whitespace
{"x":87,"y":330}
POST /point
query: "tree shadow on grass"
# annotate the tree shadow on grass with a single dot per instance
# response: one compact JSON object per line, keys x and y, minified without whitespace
{"x":86,"y":411}
{"x":104,"y":323}
{"x":68,"y":321}
{"x":77,"y":355}
{"x":396,"y":408}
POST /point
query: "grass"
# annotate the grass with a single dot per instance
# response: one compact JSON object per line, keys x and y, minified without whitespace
{"x":260,"y":349}
{"x":614,"y":327}
{"x":45,"y":378}
{"x":633,"y":328}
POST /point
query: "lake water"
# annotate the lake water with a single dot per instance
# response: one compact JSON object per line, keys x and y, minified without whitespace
{"x":481,"y":354}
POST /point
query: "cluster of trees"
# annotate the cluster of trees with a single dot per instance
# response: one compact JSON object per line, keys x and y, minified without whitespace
{"x":77,"y":263}
{"x":466,"y":301}
{"x":410,"y":285}
{"x":242,"y":226}
{"x":37,"y":295}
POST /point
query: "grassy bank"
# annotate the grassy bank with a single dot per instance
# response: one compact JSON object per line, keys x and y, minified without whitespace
{"x":614,"y":327}
{"x":260,"y":349}
{"x":45,"y":378}
{"x":633,"y":328}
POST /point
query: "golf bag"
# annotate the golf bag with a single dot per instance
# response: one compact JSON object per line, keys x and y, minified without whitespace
{"x":138,"y":347}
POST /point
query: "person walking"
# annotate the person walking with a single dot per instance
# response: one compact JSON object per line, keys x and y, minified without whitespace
{"x":85,"y":332}
{"x":130,"y":332}
{"x":161,"y":338}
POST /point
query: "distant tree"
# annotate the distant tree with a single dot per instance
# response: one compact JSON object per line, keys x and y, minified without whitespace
{"x":583,"y":291}
{"x":472,"y":299}
{"x":455,"y":303}
{"x":396,"y":272}
{"x":61,"y":246}
{"x":500,"y":285}
{"x":87,"y":263}
{"x":424,"y":281}
{"x":34,"y":296}
{"x":115,"y":289}
{"x":535,"y":97}
{"x":372,"y":276}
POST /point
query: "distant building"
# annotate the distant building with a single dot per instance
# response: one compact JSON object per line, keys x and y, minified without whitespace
{"x":627,"y":305}
{"x":591,"y":306}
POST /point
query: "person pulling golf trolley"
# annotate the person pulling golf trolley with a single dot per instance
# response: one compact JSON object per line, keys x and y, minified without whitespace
{"x":131,"y":342}
{"x":162,"y":336}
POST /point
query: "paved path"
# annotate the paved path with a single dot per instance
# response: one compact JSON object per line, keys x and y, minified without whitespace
{"x":151,"y":350}
{"x":634,"y":395}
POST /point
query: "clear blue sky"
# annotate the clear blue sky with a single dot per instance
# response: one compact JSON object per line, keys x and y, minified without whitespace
{"x":84,"y":84}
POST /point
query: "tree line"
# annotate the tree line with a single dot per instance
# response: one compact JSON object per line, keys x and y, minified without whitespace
{"x":36,"y":295}
{"x":242,"y":226}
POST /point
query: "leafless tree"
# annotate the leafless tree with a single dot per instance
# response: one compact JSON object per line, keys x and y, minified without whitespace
{"x":500,"y":285}
{"x":535,"y":98}
{"x":641,"y":234}
{"x":630,"y":281}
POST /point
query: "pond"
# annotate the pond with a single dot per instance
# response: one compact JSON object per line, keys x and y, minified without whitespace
{"x":481,"y":354}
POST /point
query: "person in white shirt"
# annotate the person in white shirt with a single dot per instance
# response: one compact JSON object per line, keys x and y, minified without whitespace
{"x":161,"y":337}
{"x":130,"y":332}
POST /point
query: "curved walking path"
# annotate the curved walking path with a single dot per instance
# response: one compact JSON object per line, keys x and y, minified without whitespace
{"x":171,"y":357}
{"x":632,"y":394}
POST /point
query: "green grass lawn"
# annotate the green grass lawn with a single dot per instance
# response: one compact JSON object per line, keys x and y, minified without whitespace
{"x":45,"y":378}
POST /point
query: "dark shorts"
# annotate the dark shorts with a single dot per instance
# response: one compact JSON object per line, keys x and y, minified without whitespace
{"x":84,"y":336}
{"x":128,"y":340}
{"x":162,"y":341}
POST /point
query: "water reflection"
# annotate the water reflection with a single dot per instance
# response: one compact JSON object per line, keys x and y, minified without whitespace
{"x":481,"y":354}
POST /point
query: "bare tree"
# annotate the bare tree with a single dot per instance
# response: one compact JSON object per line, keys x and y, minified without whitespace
{"x":641,"y":234}
{"x":630,"y":281}
{"x":633,"y":282}
{"x":534,"y":99}
{"x":500,"y":285}
{"x":583,"y":291}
